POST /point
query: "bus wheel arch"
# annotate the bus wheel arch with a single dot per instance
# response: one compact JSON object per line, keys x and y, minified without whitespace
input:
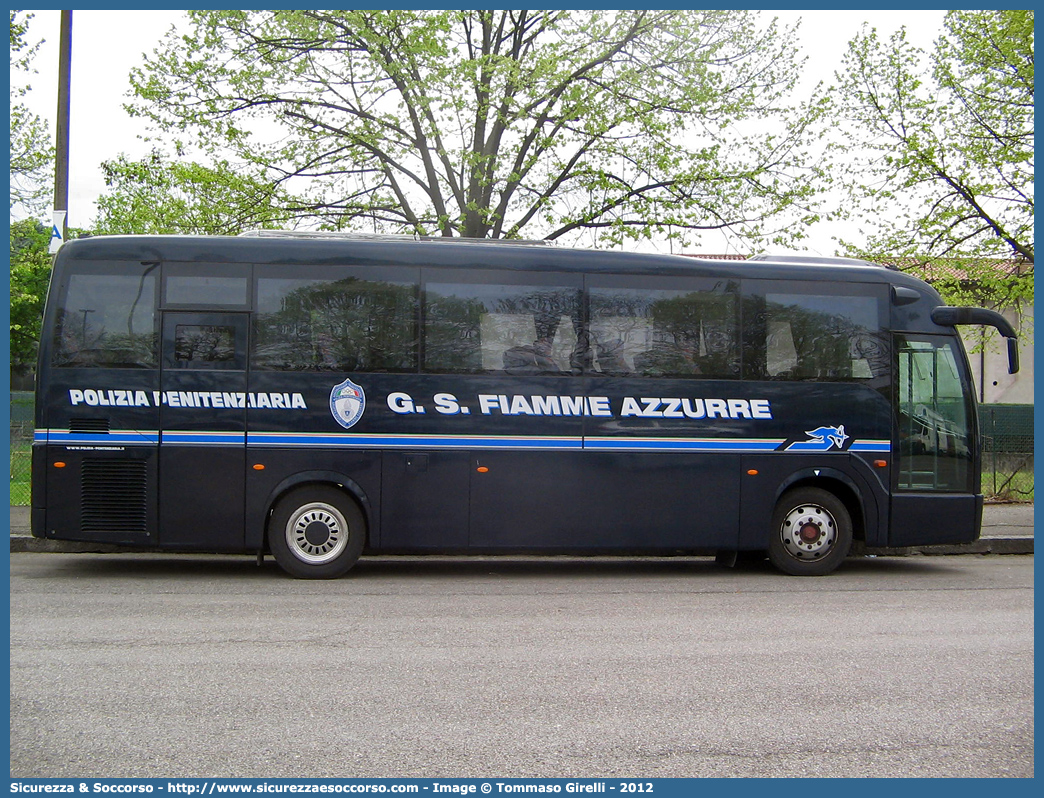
{"x":812,"y":528}
{"x":843,"y":487}
{"x":317,"y":530}
{"x":320,"y":477}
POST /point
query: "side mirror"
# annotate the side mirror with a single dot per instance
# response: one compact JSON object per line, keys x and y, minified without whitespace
{"x":950,"y":317}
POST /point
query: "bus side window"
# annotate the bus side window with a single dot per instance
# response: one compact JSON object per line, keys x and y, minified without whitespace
{"x":330,"y":324}
{"x":664,"y":332}
{"x":107,"y":318}
{"x":821,"y":337}
{"x":452,"y":325}
{"x":516,"y":329}
{"x":205,"y":346}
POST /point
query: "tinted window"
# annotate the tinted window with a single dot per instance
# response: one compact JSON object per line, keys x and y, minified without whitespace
{"x":489,"y":327}
{"x":107,"y":318}
{"x":664,"y":332}
{"x":815,"y":336}
{"x":206,"y":285}
{"x":346,"y":323}
{"x":205,"y":346}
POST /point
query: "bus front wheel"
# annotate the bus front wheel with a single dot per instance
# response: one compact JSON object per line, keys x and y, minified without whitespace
{"x":811,"y":532}
{"x":316,"y":532}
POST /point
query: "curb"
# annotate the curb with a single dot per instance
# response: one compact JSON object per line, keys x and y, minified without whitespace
{"x":981,"y":546}
{"x":26,"y":544}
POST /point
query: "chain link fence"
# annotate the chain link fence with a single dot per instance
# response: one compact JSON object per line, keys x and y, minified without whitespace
{"x":1007,"y":443}
{"x":1007,"y":452}
{"x":21,"y":445}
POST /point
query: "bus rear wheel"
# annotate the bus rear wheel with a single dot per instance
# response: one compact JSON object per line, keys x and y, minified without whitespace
{"x":811,"y":532}
{"x":316,"y":532}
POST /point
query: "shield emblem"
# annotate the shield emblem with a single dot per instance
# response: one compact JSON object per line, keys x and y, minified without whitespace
{"x":347,"y":402}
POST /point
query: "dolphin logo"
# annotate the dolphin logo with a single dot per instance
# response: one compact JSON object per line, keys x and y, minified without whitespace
{"x":836,"y":435}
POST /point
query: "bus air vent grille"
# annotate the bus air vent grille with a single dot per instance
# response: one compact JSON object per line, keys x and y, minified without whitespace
{"x":113,"y":495}
{"x":89,"y":425}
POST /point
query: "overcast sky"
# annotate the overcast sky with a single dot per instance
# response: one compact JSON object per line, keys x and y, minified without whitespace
{"x":107,"y":44}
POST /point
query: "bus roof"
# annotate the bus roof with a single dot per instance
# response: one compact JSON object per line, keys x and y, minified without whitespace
{"x":463,"y":253}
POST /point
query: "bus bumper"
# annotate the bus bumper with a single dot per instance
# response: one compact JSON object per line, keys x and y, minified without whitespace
{"x":925,"y":519}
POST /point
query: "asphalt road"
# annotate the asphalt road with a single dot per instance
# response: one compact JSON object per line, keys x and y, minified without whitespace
{"x":201,"y":666}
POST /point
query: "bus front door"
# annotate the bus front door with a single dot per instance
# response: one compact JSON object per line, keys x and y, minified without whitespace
{"x":936,"y":497}
{"x":203,"y":406}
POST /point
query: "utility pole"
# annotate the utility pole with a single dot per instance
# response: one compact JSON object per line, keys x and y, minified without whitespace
{"x":61,"y":145}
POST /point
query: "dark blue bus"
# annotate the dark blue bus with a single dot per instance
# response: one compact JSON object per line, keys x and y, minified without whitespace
{"x":321,"y":397}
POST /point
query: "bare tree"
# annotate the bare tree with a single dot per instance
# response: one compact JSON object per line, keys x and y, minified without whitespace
{"x":499,"y":123}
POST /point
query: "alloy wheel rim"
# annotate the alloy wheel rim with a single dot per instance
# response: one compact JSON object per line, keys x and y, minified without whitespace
{"x":317,"y":533}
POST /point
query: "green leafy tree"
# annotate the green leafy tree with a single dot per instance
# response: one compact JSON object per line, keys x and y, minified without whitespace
{"x":32,"y":153}
{"x":499,"y":123}
{"x":30,"y":271}
{"x":946,"y":138}
{"x":157,"y":195}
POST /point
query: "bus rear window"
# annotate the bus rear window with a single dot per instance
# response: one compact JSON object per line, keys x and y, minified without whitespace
{"x":107,"y":319}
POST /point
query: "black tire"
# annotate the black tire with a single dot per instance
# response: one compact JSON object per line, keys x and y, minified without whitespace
{"x":316,"y":532}
{"x":811,"y":532}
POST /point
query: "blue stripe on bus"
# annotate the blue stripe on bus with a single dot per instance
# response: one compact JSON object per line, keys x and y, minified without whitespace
{"x":204,"y":438}
{"x":341,"y":440}
{"x":682,"y":444}
{"x":871,"y":446}
{"x":414,"y":441}
{"x":811,"y":446}
{"x":126,"y":438}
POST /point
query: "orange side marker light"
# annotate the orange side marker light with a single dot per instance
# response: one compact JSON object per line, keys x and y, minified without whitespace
{"x":258,"y":467}
{"x":59,"y":464}
{"x":881,"y":463}
{"x":752,"y":472}
{"x":482,"y":469}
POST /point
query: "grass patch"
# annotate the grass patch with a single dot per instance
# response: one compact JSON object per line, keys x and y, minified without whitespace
{"x":20,"y":493}
{"x":1008,"y":486}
